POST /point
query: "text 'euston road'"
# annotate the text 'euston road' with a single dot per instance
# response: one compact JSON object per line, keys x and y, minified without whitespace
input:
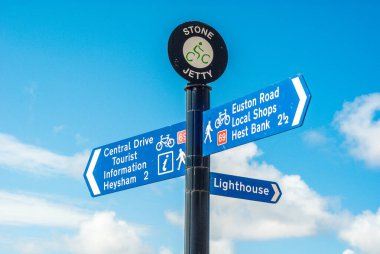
{"x":273,"y":110}
{"x":151,"y":157}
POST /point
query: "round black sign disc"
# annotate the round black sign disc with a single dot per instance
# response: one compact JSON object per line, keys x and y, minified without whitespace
{"x":197,"y":52}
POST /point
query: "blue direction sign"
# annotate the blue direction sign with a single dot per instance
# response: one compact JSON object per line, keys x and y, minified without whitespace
{"x":147,"y":158}
{"x":244,"y":188}
{"x":267,"y":112}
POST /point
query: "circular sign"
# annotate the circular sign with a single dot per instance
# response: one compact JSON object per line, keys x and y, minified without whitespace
{"x":197,"y":52}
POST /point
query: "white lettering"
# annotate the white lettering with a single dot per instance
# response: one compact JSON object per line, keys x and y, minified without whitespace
{"x":125,"y":170}
{"x":112,"y":185}
{"x":240,"y":134}
{"x":266,"y":112}
{"x":239,"y":186}
{"x":198,"y":30}
{"x":247,"y":104}
{"x":119,"y":149}
{"x":265,"y":97}
{"x":142,"y":142}
{"x":241,"y":120}
{"x":123,"y":159}
{"x":198,"y":75}
{"x":256,"y":128}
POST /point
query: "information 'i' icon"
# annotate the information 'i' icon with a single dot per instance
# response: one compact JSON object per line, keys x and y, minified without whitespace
{"x":165,"y":163}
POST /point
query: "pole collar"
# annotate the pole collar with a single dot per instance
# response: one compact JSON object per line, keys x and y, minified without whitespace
{"x":190,"y":86}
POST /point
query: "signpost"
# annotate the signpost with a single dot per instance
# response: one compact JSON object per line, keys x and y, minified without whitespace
{"x":244,"y":188}
{"x":198,"y":53}
{"x":147,"y":158}
{"x":264,"y":113}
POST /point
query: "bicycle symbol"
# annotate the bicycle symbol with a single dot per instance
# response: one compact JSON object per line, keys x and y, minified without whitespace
{"x":205,"y":58}
{"x":223,"y":118}
{"x":165,"y":141}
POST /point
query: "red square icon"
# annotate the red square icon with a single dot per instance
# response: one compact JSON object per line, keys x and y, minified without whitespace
{"x":181,"y":137}
{"x":222,"y":137}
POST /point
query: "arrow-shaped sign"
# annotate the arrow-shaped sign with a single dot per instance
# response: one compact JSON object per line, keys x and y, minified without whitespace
{"x":267,"y":112}
{"x":244,"y":188}
{"x":147,"y":158}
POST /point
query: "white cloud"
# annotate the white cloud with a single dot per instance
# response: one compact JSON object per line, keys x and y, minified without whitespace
{"x":299,"y":212}
{"x":31,"y":92}
{"x":363,"y":232}
{"x":348,"y":251}
{"x":58,"y":128}
{"x":315,"y":137}
{"x":18,"y":156}
{"x":30,"y":210}
{"x":80,"y":140}
{"x":165,"y":250}
{"x":38,"y":246}
{"x":99,"y":233}
{"x":221,"y":246}
{"x":174,"y":218}
{"x":103,"y":233}
{"x":362,"y":132}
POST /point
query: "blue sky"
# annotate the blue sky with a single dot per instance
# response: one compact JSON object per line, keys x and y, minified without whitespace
{"x":74,"y":76}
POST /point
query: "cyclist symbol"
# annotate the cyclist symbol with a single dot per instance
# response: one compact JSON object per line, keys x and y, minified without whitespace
{"x":195,"y":53}
{"x":223,"y":118}
{"x":165,"y":141}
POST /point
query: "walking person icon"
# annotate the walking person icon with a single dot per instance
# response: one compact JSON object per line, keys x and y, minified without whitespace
{"x":181,"y":157}
{"x":208,"y":132}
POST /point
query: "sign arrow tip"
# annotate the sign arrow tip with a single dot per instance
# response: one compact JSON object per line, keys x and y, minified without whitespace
{"x":90,"y":172}
{"x":301,"y":104}
{"x":277,"y":193}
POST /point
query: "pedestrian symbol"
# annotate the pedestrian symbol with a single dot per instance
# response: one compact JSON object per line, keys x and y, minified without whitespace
{"x":165,"y":163}
{"x":208,"y":132}
{"x":181,"y":157}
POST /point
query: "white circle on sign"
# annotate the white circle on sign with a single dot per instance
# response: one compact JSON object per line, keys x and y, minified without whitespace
{"x":198,"y":52}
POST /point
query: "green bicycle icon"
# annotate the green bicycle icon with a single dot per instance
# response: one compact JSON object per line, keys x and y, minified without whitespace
{"x":196,"y":54}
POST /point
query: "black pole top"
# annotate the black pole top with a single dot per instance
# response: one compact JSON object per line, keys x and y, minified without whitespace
{"x":190,"y":86}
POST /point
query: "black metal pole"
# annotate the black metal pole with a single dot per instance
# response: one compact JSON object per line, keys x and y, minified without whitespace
{"x":197,"y":196}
